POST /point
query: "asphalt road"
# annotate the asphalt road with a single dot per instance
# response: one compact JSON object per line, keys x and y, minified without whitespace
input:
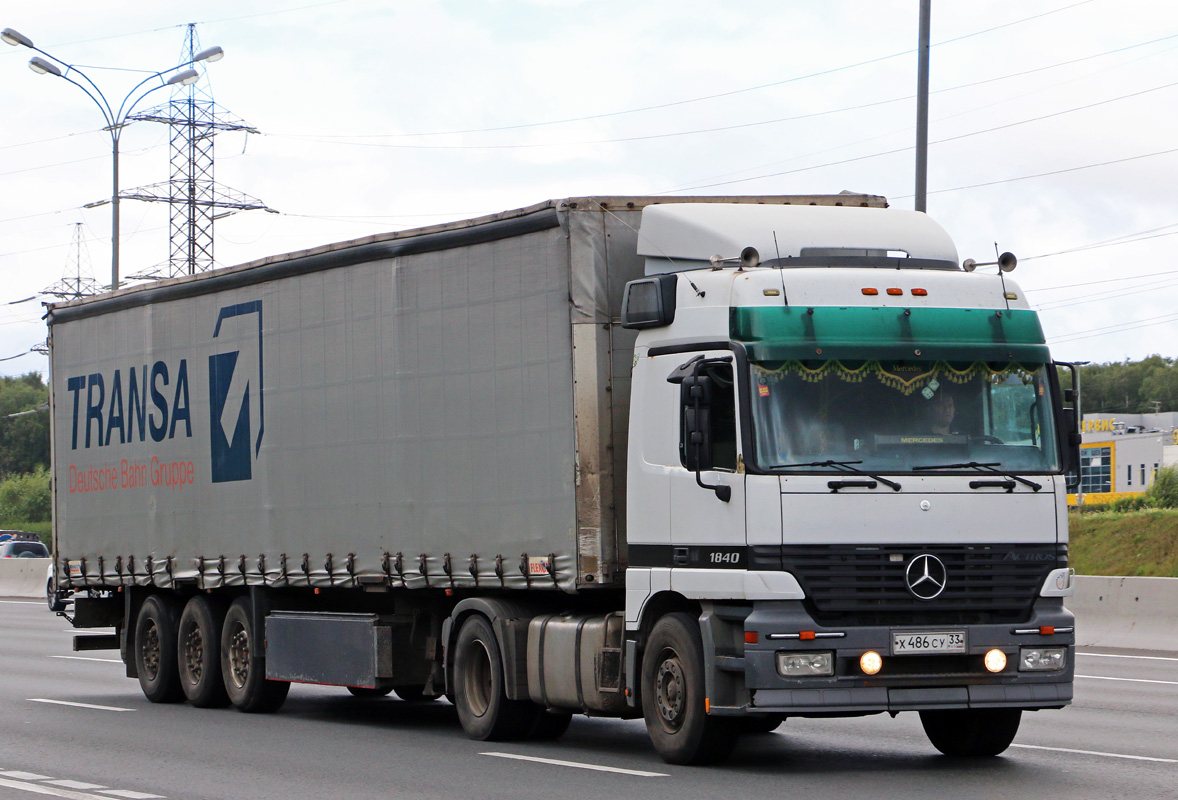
{"x":74,"y":727}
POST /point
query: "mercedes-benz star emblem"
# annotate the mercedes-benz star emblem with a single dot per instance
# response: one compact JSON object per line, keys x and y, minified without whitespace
{"x":926,"y":576}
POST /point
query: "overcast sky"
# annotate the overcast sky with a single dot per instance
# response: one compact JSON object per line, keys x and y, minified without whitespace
{"x":1053,"y":129}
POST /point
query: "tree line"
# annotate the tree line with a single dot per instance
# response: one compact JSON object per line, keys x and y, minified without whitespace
{"x":1130,"y":387}
{"x":24,"y":424}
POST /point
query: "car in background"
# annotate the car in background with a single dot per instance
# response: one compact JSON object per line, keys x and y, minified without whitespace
{"x":17,"y":548}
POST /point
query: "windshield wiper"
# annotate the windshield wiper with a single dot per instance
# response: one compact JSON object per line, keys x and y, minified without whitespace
{"x":844,"y":466}
{"x":984,"y":467}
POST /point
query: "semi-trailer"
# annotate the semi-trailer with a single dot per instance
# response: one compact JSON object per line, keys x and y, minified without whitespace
{"x":710,"y":461}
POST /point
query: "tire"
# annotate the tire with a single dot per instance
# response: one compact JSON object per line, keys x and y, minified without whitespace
{"x":365,"y":692}
{"x":761,"y":723}
{"x":155,"y":650}
{"x":549,"y":726}
{"x":55,"y":603}
{"x":243,"y":669}
{"x":413,"y":693}
{"x":971,"y":733}
{"x":673,"y":696}
{"x":198,"y":652}
{"x":480,"y":693}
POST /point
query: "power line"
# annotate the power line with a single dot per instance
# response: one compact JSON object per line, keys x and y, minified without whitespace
{"x":730,"y":93}
{"x":1052,"y":172}
{"x":1119,"y":327}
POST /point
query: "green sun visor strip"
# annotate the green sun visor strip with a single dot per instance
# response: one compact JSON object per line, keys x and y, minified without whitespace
{"x":973,"y":334}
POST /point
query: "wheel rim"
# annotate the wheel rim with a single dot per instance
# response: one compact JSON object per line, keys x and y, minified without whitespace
{"x":151,"y":651}
{"x":670,"y":693}
{"x":477,"y":678}
{"x":194,"y":653}
{"x":239,"y":654}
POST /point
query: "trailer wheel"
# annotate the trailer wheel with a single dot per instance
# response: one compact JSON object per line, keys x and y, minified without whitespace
{"x":56,"y":603}
{"x":198,"y":652}
{"x":975,"y":733}
{"x":155,"y":650}
{"x":243,"y":667}
{"x":673,"y":696}
{"x":480,"y":695}
{"x":366,"y":692}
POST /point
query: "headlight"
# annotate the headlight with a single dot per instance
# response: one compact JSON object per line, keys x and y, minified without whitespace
{"x":801,"y":665}
{"x":1042,"y":659}
{"x":995,"y":660}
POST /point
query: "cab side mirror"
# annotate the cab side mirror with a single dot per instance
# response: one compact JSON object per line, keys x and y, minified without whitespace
{"x":695,"y":443}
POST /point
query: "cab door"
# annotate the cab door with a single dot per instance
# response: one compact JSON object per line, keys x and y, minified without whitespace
{"x":707,"y":506}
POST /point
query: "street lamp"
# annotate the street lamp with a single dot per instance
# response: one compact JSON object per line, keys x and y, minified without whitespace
{"x":115,"y":118}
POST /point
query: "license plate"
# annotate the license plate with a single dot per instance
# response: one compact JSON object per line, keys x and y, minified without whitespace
{"x":914,"y":642}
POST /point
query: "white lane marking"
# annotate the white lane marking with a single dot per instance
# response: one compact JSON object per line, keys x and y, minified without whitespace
{"x":84,"y":658}
{"x":77,"y":705}
{"x":1111,"y":655}
{"x":89,"y":630}
{"x":23,"y":602}
{"x":1126,"y":680}
{"x":40,"y":788}
{"x":23,"y":776}
{"x":1096,"y":753}
{"x":131,"y":795}
{"x":579,"y":765}
{"x":77,"y":784}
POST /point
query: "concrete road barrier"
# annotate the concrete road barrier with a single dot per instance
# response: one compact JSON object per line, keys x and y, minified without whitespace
{"x":1135,"y":613}
{"x":23,"y":577}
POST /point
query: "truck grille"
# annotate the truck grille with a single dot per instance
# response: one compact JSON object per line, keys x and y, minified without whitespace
{"x":846,"y":584}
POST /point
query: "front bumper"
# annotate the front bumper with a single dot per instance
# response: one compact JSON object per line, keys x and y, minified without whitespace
{"x":906,"y":682}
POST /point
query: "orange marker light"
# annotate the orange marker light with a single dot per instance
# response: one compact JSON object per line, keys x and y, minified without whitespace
{"x":806,"y":635}
{"x":895,"y":292}
{"x":920,"y":292}
{"x":870,"y":292}
{"x":1046,"y":630}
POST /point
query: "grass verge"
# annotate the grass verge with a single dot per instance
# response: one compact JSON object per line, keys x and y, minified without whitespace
{"x":1138,"y":543}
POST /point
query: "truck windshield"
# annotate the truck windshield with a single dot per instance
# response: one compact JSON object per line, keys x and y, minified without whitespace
{"x":897,"y":416}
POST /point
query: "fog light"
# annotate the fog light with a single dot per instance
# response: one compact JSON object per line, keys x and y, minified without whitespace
{"x":800,"y":665}
{"x":995,"y":661}
{"x":870,"y":662}
{"x":1042,"y":659}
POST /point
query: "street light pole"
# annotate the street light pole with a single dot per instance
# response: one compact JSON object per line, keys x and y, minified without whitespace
{"x":115,"y":119}
{"x":922,"y":59}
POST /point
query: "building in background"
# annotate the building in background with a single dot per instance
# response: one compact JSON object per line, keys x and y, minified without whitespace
{"x":1121,"y":453}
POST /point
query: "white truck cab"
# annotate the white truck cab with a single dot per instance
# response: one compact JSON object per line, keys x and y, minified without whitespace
{"x":852,"y":453}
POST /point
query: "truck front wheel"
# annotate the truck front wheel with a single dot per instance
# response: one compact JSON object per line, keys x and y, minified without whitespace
{"x":977,"y":732}
{"x":673,"y":696}
{"x":155,"y":650}
{"x":199,"y":652}
{"x":480,"y":693}
{"x":243,"y":665}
